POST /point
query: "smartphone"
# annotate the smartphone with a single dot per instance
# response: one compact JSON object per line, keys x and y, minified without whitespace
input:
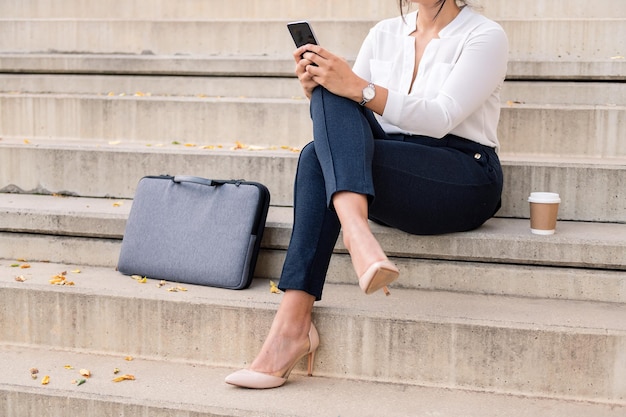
{"x":302,"y":33}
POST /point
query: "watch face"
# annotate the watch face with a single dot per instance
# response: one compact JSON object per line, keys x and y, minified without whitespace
{"x":368,"y":93}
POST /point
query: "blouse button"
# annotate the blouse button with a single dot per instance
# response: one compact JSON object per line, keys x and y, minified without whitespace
{"x":477,"y":156}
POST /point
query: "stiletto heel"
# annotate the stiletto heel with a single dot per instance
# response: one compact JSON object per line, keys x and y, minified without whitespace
{"x":247,"y":378}
{"x":314,"y":342}
{"x":378,"y":275}
{"x":309,"y":365}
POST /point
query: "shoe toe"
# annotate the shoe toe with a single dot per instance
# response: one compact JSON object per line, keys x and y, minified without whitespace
{"x":246,"y":378}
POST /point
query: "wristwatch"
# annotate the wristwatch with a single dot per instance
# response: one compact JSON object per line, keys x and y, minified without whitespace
{"x":369,"y":93}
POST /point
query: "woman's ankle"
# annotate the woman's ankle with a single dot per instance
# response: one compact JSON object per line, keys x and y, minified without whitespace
{"x":283,"y":342}
{"x":364,"y":250}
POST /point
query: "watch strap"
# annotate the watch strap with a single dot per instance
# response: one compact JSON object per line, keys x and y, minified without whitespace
{"x":367,"y":100}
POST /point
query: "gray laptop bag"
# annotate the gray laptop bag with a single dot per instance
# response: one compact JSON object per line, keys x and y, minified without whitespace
{"x":195,"y":230}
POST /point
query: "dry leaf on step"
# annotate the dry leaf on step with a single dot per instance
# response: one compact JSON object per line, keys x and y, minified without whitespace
{"x":125,"y":377}
{"x":274,"y":288}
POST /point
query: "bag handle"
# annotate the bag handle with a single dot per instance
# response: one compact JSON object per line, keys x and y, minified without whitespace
{"x":203,"y":181}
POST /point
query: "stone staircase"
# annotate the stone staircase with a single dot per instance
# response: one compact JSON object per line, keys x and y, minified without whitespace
{"x":494,"y":322}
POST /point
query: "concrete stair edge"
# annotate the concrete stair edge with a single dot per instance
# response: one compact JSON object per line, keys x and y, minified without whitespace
{"x":576,"y":244}
{"x":528,"y":281}
{"x":206,"y":118}
{"x":89,"y":231}
{"x":584,"y":39}
{"x":513,"y":92}
{"x":289,"y":10}
{"x":182,"y":390}
{"x":561,"y":69}
{"x":29,"y":168}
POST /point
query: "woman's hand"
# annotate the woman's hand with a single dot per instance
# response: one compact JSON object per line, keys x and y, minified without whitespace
{"x":306,"y":79}
{"x":317,"y":66}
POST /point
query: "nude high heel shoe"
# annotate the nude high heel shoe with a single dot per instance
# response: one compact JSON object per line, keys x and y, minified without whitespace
{"x":378,"y":275}
{"x":247,"y":378}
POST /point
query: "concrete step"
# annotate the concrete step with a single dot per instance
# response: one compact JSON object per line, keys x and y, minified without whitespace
{"x":588,"y":187}
{"x":152,"y":120}
{"x":51,"y":63}
{"x":553,"y":9}
{"x":175,"y":86}
{"x":530,"y":39}
{"x":569,"y":130}
{"x":205,"y":9}
{"x":563,"y":93}
{"x":208,"y":118}
{"x":172,"y":37}
{"x":530,"y":281}
{"x":290,"y":9}
{"x":513,"y":92}
{"x":179,"y":390}
{"x":524,"y":68}
{"x":454,"y":341}
{"x":88,"y":231}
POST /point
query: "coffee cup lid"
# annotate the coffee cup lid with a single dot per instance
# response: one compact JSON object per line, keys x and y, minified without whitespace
{"x":546,"y":198}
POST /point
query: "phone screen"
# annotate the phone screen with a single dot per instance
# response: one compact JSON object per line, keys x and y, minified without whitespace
{"x":301,"y":33}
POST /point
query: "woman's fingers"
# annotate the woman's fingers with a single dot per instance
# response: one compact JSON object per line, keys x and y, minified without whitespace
{"x":316,"y":49}
{"x":306,"y":78}
{"x":316,"y":66}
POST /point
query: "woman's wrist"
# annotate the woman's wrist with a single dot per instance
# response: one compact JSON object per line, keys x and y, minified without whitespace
{"x":357,"y":91}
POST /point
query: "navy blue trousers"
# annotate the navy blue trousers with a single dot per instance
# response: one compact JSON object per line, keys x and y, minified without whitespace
{"x":417,"y":184}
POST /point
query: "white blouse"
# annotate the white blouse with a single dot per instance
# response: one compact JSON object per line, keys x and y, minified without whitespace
{"x":457,"y":87}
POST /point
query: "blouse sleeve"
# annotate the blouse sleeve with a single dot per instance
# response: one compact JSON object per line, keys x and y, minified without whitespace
{"x":477,"y":73}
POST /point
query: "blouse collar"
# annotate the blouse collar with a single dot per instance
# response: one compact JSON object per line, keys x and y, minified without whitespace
{"x":411,"y":22}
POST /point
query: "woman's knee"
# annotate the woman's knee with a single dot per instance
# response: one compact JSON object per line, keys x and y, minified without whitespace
{"x":308,"y":163}
{"x":307,"y":154}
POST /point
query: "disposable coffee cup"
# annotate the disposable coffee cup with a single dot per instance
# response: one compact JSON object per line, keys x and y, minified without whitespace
{"x":544,"y":208}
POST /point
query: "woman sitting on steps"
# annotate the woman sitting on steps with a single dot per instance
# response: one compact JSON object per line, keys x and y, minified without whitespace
{"x":406,"y":138}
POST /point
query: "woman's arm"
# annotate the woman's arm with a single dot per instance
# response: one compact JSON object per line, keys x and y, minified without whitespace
{"x":335,"y":74}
